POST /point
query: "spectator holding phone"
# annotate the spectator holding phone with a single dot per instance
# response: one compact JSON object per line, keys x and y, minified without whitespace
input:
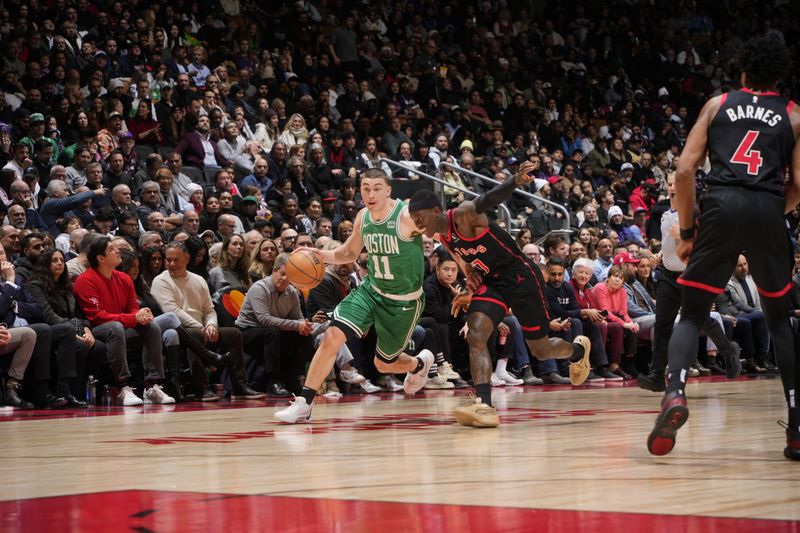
{"x":611,"y":295}
{"x":611,"y":333}
{"x":563,"y":304}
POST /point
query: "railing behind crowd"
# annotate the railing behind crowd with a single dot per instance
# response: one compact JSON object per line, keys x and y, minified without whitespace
{"x":527,"y":194}
{"x":439,"y":185}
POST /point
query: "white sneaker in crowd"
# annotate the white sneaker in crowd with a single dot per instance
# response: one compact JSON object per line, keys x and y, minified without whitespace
{"x":496,"y":381}
{"x":389,"y":383}
{"x":351,"y":376}
{"x":156,"y":394}
{"x":368,"y":387}
{"x":508,"y":379}
{"x":438,"y":382}
{"x":127,"y":397}
{"x":446,"y":370}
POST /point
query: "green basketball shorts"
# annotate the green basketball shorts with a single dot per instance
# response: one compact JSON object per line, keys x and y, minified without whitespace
{"x":394,"y":320}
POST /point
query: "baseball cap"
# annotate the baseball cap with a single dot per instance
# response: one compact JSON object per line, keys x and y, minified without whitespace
{"x":650,"y":188}
{"x":36,"y":117}
{"x":552,"y":180}
{"x":329,"y":197}
{"x":625,"y":257}
{"x":5,"y":128}
{"x":124,"y":134}
{"x":663,"y":92}
{"x":466,"y":143}
{"x":115,"y":83}
{"x":100,"y":53}
{"x":626,"y":166}
{"x":251,"y":199}
{"x":114,"y":114}
{"x":30,"y":173}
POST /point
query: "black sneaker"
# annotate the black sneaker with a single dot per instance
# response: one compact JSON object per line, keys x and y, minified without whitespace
{"x":595,"y":378}
{"x":608,"y":375}
{"x":700,"y":368}
{"x":654,"y":381}
{"x":792,"y":450}
{"x":733,"y":361}
{"x":714,"y":366}
{"x":459,"y":383}
{"x":767,"y":364}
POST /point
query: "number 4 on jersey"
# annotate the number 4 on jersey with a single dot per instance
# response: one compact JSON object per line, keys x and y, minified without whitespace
{"x":745,"y":155}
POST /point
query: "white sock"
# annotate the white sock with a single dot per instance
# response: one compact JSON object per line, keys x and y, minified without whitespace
{"x":501,"y":366}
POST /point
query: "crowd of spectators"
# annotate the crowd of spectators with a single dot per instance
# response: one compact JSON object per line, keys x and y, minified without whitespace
{"x":168,"y":148}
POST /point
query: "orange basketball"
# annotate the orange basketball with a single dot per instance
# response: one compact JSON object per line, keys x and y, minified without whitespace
{"x":305,"y":270}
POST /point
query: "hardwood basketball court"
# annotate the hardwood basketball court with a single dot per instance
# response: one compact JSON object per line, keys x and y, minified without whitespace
{"x":563,"y":460}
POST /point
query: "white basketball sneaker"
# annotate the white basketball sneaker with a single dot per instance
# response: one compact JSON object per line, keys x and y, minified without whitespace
{"x":298,"y":411}
{"x":416,"y":380}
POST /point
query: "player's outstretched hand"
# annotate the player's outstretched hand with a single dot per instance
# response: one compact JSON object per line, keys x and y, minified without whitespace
{"x":685,"y":250}
{"x":461,"y":302}
{"x":524,"y":175}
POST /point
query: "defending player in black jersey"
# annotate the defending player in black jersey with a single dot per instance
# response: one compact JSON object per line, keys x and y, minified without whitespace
{"x":750,"y":137}
{"x":499,"y":278}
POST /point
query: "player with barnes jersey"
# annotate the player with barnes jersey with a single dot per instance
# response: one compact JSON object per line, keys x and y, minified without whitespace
{"x":750,"y":137}
{"x":500,"y":278}
{"x":390,"y":299}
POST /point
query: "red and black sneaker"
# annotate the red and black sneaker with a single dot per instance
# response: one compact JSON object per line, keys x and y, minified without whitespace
{"x":792,"y":450}
{"x":674,"y":414}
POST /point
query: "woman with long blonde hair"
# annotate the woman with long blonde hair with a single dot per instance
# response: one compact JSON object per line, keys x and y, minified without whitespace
{"x":295,"y":131}
{"x":233,"y":267}
{"x":262,"y":259}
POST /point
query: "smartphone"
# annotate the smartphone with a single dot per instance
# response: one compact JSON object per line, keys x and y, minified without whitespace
{"x":604,"y":312}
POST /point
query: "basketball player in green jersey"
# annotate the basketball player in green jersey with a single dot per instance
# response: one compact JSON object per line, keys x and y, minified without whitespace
{"x":390,"y":299}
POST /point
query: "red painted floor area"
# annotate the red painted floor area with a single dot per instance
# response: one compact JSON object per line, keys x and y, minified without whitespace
{"x":156,"y":511}
{"x":8,"y":414}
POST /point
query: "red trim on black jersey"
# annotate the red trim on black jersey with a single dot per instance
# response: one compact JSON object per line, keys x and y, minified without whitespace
{"x":724,"y":97}
{"x":789,"y":107}
{"x":701,"y":286}
{"x":475,"y":238}
{"x":491,"y":300}
{"x":766,"y":93}
{"x":776,"y":294}
{"x":534,"y":328}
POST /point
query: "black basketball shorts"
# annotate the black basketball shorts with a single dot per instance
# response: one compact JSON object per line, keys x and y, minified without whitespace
{"x":737,"y":221}
{"x":519,"y":288}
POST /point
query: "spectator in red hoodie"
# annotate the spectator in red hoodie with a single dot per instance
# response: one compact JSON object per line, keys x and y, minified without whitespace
{"x":109,"y":302}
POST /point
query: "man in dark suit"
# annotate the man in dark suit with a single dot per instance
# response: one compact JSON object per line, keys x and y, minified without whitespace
{"x":196,"y":146}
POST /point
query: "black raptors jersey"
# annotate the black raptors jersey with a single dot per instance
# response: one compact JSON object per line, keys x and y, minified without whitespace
{"x":750,"y":141}
{"x":493,"y":252}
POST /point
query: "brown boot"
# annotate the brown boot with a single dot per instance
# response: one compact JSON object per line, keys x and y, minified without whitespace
{"x":12,"y":396}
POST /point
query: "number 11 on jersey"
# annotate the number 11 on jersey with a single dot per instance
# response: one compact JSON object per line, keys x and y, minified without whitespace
{"x":382,"y":271}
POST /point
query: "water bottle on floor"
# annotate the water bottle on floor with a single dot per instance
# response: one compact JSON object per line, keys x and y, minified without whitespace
{"x":91,"y":391}
{"x":107,"y":401}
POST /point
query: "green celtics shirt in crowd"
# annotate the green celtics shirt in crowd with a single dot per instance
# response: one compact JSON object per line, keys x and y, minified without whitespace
{"x":396,"y":264}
